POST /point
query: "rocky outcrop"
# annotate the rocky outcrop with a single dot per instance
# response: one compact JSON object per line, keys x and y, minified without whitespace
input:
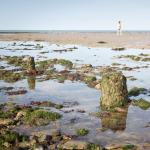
{"x":31,"y":66}
{"x":113,"y":90}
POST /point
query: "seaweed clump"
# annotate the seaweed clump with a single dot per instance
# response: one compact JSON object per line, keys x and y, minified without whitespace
{"x":143,"y":104}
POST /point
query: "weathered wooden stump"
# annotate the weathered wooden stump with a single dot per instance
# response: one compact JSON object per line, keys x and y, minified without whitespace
{"x":113,"y":90}
{"x":31,"y":66}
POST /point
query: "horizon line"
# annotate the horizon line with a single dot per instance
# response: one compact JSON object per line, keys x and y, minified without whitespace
{"x":63,"y":30}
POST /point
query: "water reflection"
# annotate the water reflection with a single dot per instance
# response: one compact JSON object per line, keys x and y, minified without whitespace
{"x":115,"y":121}
{"x":31,"y":82}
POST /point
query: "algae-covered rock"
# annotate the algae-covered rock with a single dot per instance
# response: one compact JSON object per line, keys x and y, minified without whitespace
{"x":143,"y":104}
{"x":39,"y":117}
{"x":74,"y":144}
{"x":82,"y":132}
{"x":79,"y":145}
{"x":31,"y":65}
{"x":121,"y":147}
{"x":118,"y":48}
{"x":10,"y":139}
{"x":137,"y":91}
{"x":9,"y":76}
{"x":113,"y":90}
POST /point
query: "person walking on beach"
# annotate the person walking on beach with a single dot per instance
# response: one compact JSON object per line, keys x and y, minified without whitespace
{"x":119,"y":28}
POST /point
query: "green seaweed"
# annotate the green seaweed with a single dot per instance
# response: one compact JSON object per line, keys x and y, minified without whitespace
{"x":92,"y":146}
{"x":65,"y":63}
{"x":137,"y":91}
{"x":39,"y":117}
{"x":9,"y":76}
{"x":11,"y":137}
{"x":143,"y":104}
{"x":82,"y":132}
{"x":89,"y":79}
{"x":129,"y":147}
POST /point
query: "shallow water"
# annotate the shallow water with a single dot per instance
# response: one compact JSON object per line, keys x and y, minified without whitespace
{"x":129,"y":128}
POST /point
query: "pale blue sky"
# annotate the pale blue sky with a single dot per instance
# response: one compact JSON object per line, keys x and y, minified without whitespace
{"x":74,"y":14}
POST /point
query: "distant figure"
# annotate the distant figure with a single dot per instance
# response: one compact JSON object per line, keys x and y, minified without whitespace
{"x":119,"y":28}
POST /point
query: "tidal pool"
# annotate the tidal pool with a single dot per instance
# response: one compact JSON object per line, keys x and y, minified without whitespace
{"x":132,"y":127}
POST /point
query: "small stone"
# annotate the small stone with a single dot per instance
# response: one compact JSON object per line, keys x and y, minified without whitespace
{"x":32,"y":142}
{"x":98,"y":86}
{"x":39,"y":147}
{"x":52,"y":147}
{"x":6,"y":144}
{"x":5,"y":121}
{"x":80,"y":145}
{"x":20,"y":115}
{"x":113,"y":146}
{"x":66,"y":137}
{"x":55,"y":132}
{"x":56,"y":139}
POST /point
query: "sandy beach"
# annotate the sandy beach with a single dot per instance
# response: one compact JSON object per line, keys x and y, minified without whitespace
{"x":92,"y":39}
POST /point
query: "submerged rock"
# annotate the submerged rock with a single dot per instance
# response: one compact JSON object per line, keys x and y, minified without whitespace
{"x":118,"y":48}
{"x":18,"y":92}
{"x":114,"y":90}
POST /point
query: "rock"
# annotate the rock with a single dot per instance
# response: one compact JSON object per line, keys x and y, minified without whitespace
{"x":20,"y":115}
{"x":55,"y":132}
{"x":146,"y":146}
{"x":113,"y":90}
{"x":81,"y":111}
{"x":39,"y":147}
{"x":101,"y":42}
{"x":5,"y":122}
{"x":98,"y":86}
{"x":65,"y":137}
{"x":41,"y":136}
{"x":75,"y":144}
{"x":31,"y":66}
{"x":7,"y":145}
{"x":118,"y":48}
{"x":87,"y":66}
{"x":25,"y":145}
{"x":18,"y":92}
{"x":56,"y":139}
{"x":32,"y":142}
{"x":113,"y":146}
{"x":52,"y":147}
{"x":141,"y":103}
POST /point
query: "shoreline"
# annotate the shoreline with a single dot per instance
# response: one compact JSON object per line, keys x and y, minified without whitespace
{"x":137,"y":39}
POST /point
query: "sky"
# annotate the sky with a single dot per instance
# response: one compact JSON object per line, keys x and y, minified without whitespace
{"x":74,"y":14}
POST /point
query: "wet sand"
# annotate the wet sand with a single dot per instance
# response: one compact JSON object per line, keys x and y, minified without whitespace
{"x":92,"y":39}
